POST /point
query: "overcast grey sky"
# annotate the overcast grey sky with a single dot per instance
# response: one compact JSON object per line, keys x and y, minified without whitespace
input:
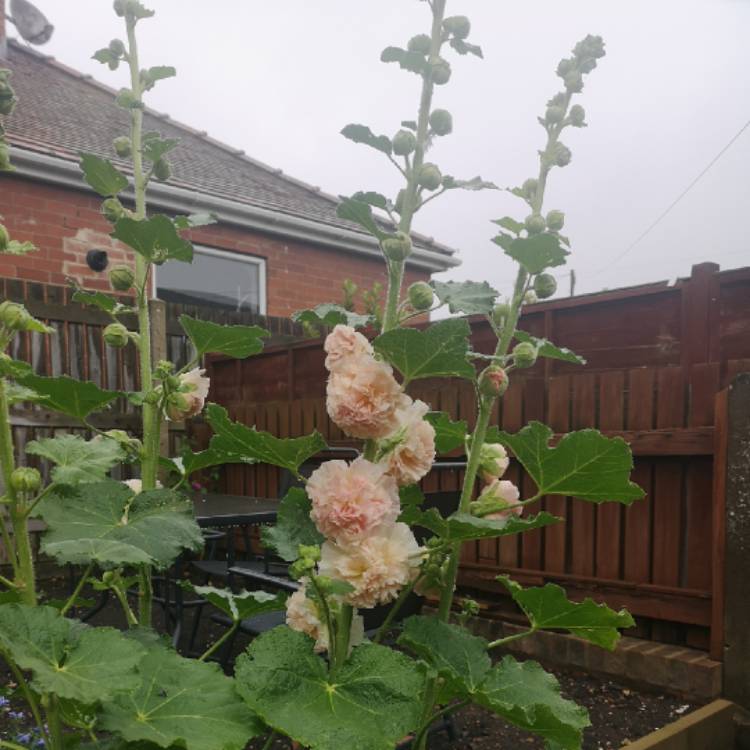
{"x":279,"y":79}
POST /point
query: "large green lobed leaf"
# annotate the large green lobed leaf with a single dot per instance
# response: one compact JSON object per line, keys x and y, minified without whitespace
{"x":241,"y":605}
{"x":156,"y":238}
{"x":449,"y":435}
{"x":330,"y":314}
{"x":438,"y":351}
{"x":235,"y":341}
{"x":78,"y":460}
{"x":182,"y":702}
{"x":463,"y":527}
{"x":584,"y":464}
{"x":76,"y":398}
{"x":468,"y":297}
{"x":102,"y":176}
{"x":239,"y":440}
{"x":157,"y":523}
{"x":371,"y":704}
{"x":293,"y":526}
{"x":66,"y":657}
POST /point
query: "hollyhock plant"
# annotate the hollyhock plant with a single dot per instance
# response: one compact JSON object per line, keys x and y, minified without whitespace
{"x":190,"y":397}
{"x":351,"y":501}
{"x":498,"y":501}
{"x":344,"y":342}
{"x":413,"y":445}
{"x":493,"y":461}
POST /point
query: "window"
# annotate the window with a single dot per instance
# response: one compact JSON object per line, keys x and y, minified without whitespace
{"x":215,"y":277}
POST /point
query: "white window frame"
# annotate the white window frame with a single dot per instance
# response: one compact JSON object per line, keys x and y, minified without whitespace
{"x":229,"y":255}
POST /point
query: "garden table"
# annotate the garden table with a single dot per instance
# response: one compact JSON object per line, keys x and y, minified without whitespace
{"x":213,"y":510}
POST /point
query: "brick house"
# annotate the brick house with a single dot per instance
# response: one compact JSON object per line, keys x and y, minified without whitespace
{"x":278,"y":246}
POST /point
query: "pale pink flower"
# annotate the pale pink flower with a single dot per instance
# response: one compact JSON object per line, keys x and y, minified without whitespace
{"x":350,"y":501}
{"x":378,"y":566}
{"x":363,"y":397}
{"x":493,"y":461}
{"x":501,"y":491}
{"x":192,"y":395}
{"x":414,"y":451}
{"x":302,"y":615}
{"x":344,"y":342}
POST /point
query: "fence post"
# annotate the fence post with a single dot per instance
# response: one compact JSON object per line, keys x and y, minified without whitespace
{"x":734,"y":526}
{"x":158,"y":310}
{"x":698,"y":302}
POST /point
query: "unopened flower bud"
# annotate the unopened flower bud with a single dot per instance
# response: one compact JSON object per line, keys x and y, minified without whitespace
{"x":404,"y":142}
{"x":162,"y":170}
{"x":4,"y":238}
{"x":529,"y":188}
{"x":116,"y":335}
{"x":500,"y":314}
{"x":309,"y":552}
{"x":554,"y":114}
{"x":555,"y":220}
{"x":164,"y":368}
{"x":545,"y":285}
{"x":565,"y":66}
{"x":577,"y":116}
{"x":470,"y":607}
{"x":590,"y":46}
{"x":574,"y":81}
{"x":420,"y":44}
{"x":441,"y":122}
{"x":587,"y":64}
{"x":493,"y":461}
{"x":127,"y":99}
{"x":123,"y":146}
{"x":112,"y":210}
{"x":121,"y":278}
{"x":561,"y":155}
{"x":14,"y":316}
{"x":25,"y":479}
{"x":441,"y":71}
{"x":397,"y":247}
{"x":172,"y":382}
{"x":421,"y":295}
{"x":493,"y":381}
{"x":459,"y":26}
{"x":535,"y":224}
{"x":176,"y":405}
{"x":530,"y":297}
{"x":430,"y":177}
{"x":7,"y":97}
{"x":117,"y":48}
{"x":119,"y":7}
{"x":524,"y":355}
{"x":498,"y":501}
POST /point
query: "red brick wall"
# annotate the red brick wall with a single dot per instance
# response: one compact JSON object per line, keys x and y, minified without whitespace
{"x":65,"y":224}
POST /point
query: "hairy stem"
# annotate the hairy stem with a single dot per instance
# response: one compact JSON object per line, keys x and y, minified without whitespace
{"x":7,"y":466}
{"x":511,"y":638}
{"x":29,"y":696}
{"x":72,"y":600}
{"x":343,"y":633}
{"x":411,"y":198}
{"x":151,"y":416}
{"x":224,"y":638}
{"x":130,"y":617}
{"x":54,"y":724}
{"x":394,"y":610}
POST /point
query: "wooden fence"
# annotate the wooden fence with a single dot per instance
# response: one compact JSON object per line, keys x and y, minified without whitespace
{"x":658,"y":355}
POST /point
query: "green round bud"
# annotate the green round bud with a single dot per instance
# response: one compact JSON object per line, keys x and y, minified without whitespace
{"x":562,"y":155}
{"x":13,"y":316}
{"x":4,"y":156}
{"x":177,"y":406}
{"x":535,"y":224}
{"x":420,"y":44}
{"x":162,"y":170}
{"x":119,"y":7}
{"x":493,"y":381}
{"x":554,"y":114}
{"x":545,"y":285}
{"x":459,"y":26}
{"x":123,"y":146}
{"x":7,"y":98}
{"x":121,"y":278}
{"x":4,"y":237}
{"x":25,"y":479}
{"x":127,"y":99}
{"x":524,"y":355}
{"x":397,"y":247}
{"x":112,"y":210}
{"x":565,"y":66}
{"x":555,"y":220}
{"x":530,"y":297}
{"x":529,"y":188}
{"x":116,"y":335}
{"x":421,"y":295}
{"x":589,"y":47}
{"x":500,"y":313}
{"x":117,"y":48}
{"x":441,"y":71}
{"x":577,"y":116}
{"x":404,"y":142}
{"x":441,"y":122}
{"x":430,"y":177}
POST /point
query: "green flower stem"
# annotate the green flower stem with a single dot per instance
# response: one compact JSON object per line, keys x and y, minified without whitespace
{"x":343,"y":634}
{"x":54,"y":724}
{"x":422,"y":733}
{"x":472,"y":468}
{"x":72,"y":599}
{"x":511,"y":638}
{"x":12,"y":745}
{"x":151,"y":415}
{"x":7,"y":583}
{"x":130,"y":617}
{"x":269,"y":740}
{"x":394,"y":610}
{"x":329,"y":621}
{"x":7,"y":466}
{"x":29,"y":696}
{"x":224,"y":638}
{"x":396,"y":268}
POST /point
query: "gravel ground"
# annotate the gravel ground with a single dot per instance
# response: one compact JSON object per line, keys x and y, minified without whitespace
{"x":619,"y":714}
